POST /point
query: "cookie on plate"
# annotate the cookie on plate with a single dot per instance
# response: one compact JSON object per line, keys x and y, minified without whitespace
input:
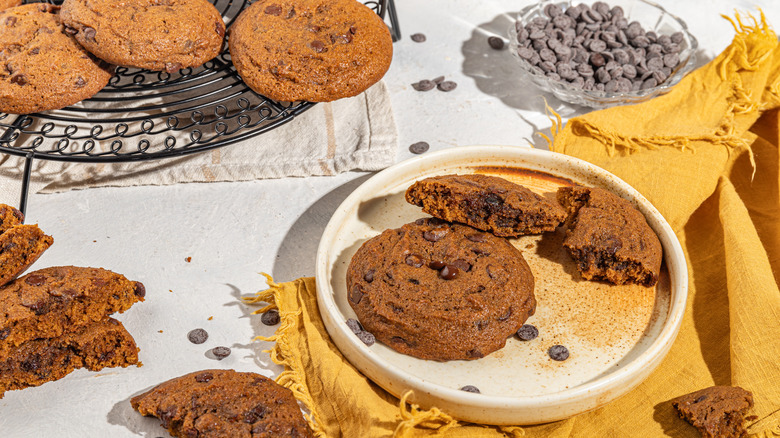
{"x":486,"y":202}
{"x":44,"y":68}
{"x":20,"y":247}
{"x":609,"y":238}
{"x":314,"y":50}
{"x":224,"y":403}
{"x":441,"y":291}
{"x":94,"y":346}
{"x":49,"y":302}
{"x":717,"y":411}
{"x":152,"y":34}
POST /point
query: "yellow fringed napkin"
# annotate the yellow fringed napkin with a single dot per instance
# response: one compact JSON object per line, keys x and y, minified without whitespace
{"x":706,"y":155}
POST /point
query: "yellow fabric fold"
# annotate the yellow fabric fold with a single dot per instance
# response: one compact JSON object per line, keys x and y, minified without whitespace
{"x":706,"y":155}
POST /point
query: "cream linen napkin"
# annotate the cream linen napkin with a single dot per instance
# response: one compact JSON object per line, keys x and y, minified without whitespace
{"x":329,"y":138}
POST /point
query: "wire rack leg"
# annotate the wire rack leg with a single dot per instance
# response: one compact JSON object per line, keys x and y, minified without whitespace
{"x":26,"y":183}
{"x":395,"y":29}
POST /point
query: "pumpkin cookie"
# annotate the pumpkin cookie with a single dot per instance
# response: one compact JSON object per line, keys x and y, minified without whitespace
{"x":152,"y":34}
{"x":44,"y":68}
{"x":5,"y":4}
{"x":609,"y":238}
{"x":717,"y":411}
{"x":488,"y":203}
{"x":9,"y":217}
{"x":314,"y":50}
{"x":20,"y":247}
{"x":440,"y":291}
{"x":224,"y":403}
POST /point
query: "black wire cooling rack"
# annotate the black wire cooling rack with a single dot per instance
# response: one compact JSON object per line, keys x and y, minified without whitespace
{"x":148,"y":115}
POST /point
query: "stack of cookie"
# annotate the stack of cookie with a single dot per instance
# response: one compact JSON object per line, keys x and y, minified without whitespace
{"x":56,"y":319}
{"x":453,"y":287}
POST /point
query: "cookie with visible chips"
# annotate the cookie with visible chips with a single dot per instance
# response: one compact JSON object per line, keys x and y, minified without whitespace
{"x":224,"y":403}
{"x":441,"y":291}
{"x":5,"y":4}
{"x":313,"y":50}
{"x":44,"y":68}
{"x":152,"y":34}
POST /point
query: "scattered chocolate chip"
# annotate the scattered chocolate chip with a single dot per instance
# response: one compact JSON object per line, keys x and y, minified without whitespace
{"x":356,"y":294}
{"x":496,"y":43}
{"x":290,"y":13}
{"x":506,"y":315}
{"x":203,"y":377}
{"x":354,"y":325}
{"x":447,"y":86}
{"x":462,"y":265}
{"x":89,"y":34}
{"x":527,"y":332}
{"x":471,"y":388}
{"x":366,"y":337}
{"x":434,"y":235}
{"x":438,"y":80}
{"x":255,"y":414}
{"x":352,"y":30}
{"x":449,"y":272}
{"x":273,"y":10}
{"x":10,"y":21}
{"x":424,"y":85}
{"x":419,"y":147}
{"x":220,"y":352}
{"x":19,"y":79}
{"x":271,"y":317}
{"x":418,"y":37}
{"x":437,"y":264}
{"x":476,"y":237}
{"x":474,"y":353}
{"x":558,"y":352}
{"x":70,"y":31}
{"x":369,"y":276}
{"x":198,"y":336}
{"x":701,"y":399}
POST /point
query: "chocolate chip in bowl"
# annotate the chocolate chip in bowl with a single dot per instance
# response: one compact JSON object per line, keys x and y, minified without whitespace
{"x":602,"y":54}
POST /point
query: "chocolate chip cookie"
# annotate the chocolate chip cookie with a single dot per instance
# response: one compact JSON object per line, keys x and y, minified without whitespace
{"x":152,"y":34}
{"x":436,"y":290}
{"x":717,"y":411}
{"x":49,"y":302}
{"x":224,"y":403}
{"x":486,"y":202}
{"x":20,"y":247}
{"x":314,"y":50}
{"x":94,"y":346}
{"x":9,"y":217}
{"x":44,"y":68}
{"x":609,"y":238}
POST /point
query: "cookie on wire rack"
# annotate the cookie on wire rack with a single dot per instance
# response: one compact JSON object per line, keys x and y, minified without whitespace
{"x":313,"y":50}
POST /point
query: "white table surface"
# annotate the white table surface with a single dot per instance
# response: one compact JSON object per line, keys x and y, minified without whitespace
{"x":234,"y":231}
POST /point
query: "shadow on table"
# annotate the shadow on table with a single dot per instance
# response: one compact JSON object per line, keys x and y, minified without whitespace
{"x":297,"y":255}
{"x":123,"y":414}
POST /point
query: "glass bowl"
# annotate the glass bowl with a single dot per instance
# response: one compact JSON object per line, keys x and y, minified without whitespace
{"x":651,"y":16}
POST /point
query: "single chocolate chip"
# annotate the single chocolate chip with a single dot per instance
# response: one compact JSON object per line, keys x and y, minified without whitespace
{"x":354,"y":325}
{"x":414,"y":260}
{"x":318,"y":46}
{"x":438,"y":80}
{"x":356,"y":294}
{"x":140,"y":289}
{"x":270,"y":317}
{"x":255,"y":414}
{"x":366,"y":337}
{"x":291,"y":13}
{"x":419,"y":147}
{"x":506,"y":315}
{"x":273,"y":10}
{"x":220,"y":352}
{"x":701,"y":399}
{"x":558,"y":352}
{"x":462,"y":265}
{"x":35,"y":279}
{"x":203,"y":377}
{"x":89,"y":34}
{"x":424,"y":85}
{"x":449,"y":272}
{"x":369,"y":276}
{"x":352,"y":30}
{"x":19,"y":79}
{"x":447,"y":86}
{"x":496,"y":43}
{"x":434,"y":235}
{"x":476,"y":237}
{"x":474,"y":353}
{"x":527,"y":332}
{"x":437,"y":265}
{"x":219,"y":28}
{"x":418,"y":37}
{"x":80,"y":82}
{"x":472,"y":388}
{"x":10,"y":21}
{"x":4,"y":333}
{"x":172,"y":67}
{"x":198,"y":336}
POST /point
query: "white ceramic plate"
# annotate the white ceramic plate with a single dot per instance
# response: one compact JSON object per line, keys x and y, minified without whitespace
{"x":616,"y":335}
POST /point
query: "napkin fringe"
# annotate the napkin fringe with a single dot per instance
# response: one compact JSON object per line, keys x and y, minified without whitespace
{"x":292,"y":377}
{"x":769,"y":433}
{"x":412,"y":417}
